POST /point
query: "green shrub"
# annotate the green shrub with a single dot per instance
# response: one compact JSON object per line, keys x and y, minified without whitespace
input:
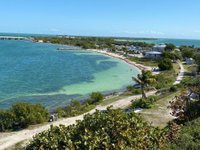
{"x":165,"y":64}
{"x":95,"y":97}
{"x":75,"y":108}
{"x":144,"y":103}
{"x":29,"y":114}
{"x":173,"y":89}
{"x":6,"y":120}
{"x":21,"y":115}
{"x":133,"y":90}
{"x":110,"y":129}
{"x":136,"y":91}
{"x":189,"y":137}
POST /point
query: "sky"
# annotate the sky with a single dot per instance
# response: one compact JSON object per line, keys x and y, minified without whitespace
{"x":125,"y":18}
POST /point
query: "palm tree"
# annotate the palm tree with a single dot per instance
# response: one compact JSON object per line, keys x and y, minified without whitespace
{"x":144,"y":79}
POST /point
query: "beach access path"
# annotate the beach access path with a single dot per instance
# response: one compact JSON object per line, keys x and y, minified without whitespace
{"x":181,"y":73}
{"x":10,"y":139}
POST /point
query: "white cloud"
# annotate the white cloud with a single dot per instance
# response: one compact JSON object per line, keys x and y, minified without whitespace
{"x":54,"y":30}
{"x":145,"y":32}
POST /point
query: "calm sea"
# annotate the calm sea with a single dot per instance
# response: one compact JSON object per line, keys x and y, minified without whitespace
{"x":39,"y":73}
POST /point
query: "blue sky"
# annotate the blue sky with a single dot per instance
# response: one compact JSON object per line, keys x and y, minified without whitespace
{"x":131,"y":18}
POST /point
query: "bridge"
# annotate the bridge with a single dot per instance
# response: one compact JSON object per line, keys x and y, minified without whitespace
{"x":13,"y":38}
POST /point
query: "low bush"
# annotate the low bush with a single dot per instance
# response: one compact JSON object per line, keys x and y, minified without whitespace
{"x":133,"y":90}
{"x":188,"y":138}
{"x":21,"y":115}
{"x":165,"y":64}
{"x":95,"y":97}
{"x":110,"y":129}
{"x":77,"y":108}
{"x":173,"y":89}
{"x":145,"y":103}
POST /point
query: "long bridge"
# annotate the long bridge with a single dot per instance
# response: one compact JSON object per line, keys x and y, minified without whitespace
{"x":14,"y":38}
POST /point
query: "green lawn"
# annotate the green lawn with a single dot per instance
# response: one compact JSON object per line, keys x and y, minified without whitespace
{"x":146,"y":62}
{"x":159,"y":114}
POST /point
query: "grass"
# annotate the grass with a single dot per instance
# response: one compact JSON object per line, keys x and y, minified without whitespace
{"x":159,"y":115}
{"x":166,"y":78}
{"x":143,"y":61}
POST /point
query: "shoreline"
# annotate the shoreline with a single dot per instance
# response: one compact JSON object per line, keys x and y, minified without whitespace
{"x":114,"y":55}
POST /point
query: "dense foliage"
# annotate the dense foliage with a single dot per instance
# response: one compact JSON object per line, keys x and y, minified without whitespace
{"x":21,"y":115}
{"x":144,"y":79}
{"x":84,"y":42}
{"x":95,"y":97}
{"x":188,"y":137}
{"x":172,"y":55}
{"x":77,"y":108}
{"x":170,"y":47}
{"x":111,"y":129}
{"x":140,"y":44}
{"x":165,"y":64}
{"x":144,"y":103}
{"x":74,"y":109}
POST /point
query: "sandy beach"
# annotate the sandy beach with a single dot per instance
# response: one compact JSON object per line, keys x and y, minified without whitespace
{"x":141,"y":67}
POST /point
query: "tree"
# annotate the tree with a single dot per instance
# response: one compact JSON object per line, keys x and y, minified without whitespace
{"x":183,"y":108}
{"x":6,"y":120}
{"x":170,"y":47}
{"x":124,"y":49}
{"x":187,"y":53}
{"x":144,"y":79}
{"x":21,"y":115}
{"x":197,"y":60}
{"x":29,"y":114}
{"x":165,"y":64}
{"x":110,"y":129}
{"x":95,"y":97}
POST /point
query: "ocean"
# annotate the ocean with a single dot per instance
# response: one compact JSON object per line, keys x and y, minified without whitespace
{"x":39,"y":73}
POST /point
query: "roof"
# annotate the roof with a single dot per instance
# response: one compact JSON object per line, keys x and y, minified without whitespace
{"x":160,"y":46}
{"x":154,"y":52}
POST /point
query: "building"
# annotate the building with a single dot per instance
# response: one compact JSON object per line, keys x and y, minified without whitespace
{"x":153,"y":55}
{"x":189,"y":61}
{"x":159,"y":47}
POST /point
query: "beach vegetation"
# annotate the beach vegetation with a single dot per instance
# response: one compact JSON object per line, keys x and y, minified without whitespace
{"x":21,"y":115}
{"x":170,"y":47}
{"x":110,"y":129}
{"x":76,"y":108}
{"x":144,"y":103}
{"x":144,"y":79}
{"x":165,"y":64}
{"x":95,"y":97}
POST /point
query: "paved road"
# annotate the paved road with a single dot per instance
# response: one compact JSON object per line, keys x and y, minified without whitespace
{"x":27,"y":134}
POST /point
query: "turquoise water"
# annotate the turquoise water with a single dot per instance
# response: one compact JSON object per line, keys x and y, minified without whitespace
{"x":39,"y":73}
{"x":177,"y":42}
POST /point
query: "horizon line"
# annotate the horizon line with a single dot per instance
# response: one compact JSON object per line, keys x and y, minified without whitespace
{"x":103,"y":36}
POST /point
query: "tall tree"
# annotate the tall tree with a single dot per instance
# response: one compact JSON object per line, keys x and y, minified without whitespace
{"x":145,"y":79}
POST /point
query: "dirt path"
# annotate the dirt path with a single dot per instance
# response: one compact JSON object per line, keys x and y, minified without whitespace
{"x":180,"y":75}
{"x":27,"y":134}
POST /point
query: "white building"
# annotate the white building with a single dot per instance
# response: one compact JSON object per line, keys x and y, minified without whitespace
{"x":153,"y":55}
{"x":159,"y":47}
{"x":189,"y":61}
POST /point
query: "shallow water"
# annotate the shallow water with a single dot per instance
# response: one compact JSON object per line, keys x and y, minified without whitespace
{"x":39,"y":73}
